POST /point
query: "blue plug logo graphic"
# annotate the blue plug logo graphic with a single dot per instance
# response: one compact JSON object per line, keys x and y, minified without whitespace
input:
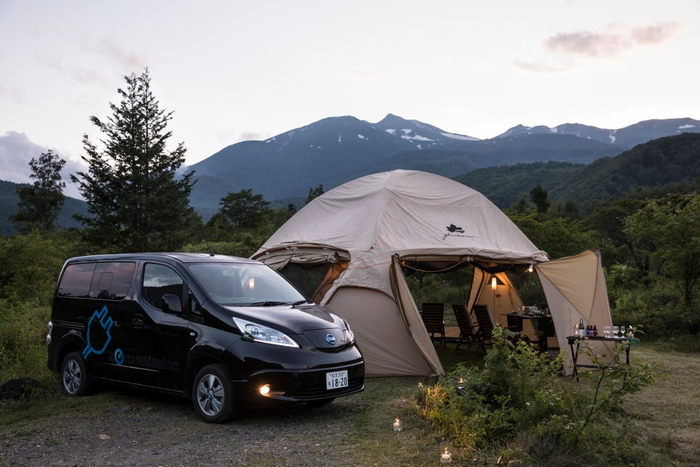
{"x":99,"y":326}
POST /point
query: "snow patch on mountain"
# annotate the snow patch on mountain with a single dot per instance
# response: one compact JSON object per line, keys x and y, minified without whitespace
{"x":416,"y":138}
{"x":459,"y":137}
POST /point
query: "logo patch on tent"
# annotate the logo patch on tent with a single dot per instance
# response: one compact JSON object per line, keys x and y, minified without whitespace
{"x":330,"y":338}
{"x":455,"y":231}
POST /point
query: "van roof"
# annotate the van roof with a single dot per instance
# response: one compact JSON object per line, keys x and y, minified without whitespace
{"x":175,"y":257}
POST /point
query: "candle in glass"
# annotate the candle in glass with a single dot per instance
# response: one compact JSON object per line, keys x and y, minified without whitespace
{"x":446,"y":457}
{"x":398,"y":426}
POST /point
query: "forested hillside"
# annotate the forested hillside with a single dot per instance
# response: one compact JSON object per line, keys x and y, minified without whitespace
{"x":8,"y":206}
{"x":673,"y":159}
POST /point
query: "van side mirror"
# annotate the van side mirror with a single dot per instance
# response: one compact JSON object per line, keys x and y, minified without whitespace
{"x":171,"y":304}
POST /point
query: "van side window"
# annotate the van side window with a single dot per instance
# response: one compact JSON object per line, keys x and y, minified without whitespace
{"x":112,"y":281}
{"x":195,"y":308}
{"x":76,"y":280}
{"x":159,"y":280}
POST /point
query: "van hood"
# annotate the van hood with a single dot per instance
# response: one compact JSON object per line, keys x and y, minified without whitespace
{"x":295,"y":319}
{"x":325,"y":330}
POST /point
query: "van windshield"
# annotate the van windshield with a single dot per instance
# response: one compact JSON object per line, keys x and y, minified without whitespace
{"x":245,"y":284}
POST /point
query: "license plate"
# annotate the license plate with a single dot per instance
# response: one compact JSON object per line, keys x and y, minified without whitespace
{"x":337,"y":379}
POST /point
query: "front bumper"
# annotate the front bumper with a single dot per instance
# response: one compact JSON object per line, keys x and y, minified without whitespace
{"x":307,"y":385}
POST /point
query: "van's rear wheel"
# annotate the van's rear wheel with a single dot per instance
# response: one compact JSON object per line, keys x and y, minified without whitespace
{"x":212,"y":394}
{"x":74,"y":377}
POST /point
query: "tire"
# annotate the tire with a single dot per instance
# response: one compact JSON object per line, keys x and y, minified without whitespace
{"x":74,"y":376}
{"x":212,"y":394}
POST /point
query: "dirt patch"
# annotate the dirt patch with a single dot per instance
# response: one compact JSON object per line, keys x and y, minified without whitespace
{"x":153,"y":431}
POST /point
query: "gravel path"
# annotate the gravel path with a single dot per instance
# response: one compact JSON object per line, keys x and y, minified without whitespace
{"x":150,"y":430}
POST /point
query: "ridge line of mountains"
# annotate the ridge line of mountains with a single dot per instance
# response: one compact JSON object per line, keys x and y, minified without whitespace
{"x":335,"y":150}
{"x":571,"y":161}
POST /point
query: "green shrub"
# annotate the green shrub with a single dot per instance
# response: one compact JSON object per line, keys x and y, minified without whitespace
{"x":520,"y":405}
{"x":23,"y":330}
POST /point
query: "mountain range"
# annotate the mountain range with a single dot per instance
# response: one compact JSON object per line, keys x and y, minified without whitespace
{"x":572,"y":161}
{"x":334,"y":150}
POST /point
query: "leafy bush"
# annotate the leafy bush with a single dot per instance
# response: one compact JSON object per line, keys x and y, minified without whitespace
{"x":521,"y":405}
{"x":652,"y":303}
{"x":30,"y":264}
{"x":23,"y":330}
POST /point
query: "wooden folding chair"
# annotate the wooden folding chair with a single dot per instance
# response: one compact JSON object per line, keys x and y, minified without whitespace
{"x":467,"y":330}
{"x":487,"y":325}
{"x":433,"y":315}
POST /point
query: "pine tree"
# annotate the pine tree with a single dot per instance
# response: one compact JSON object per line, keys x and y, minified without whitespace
{"x":41,"y":203}
{"x":539,"y":198}
{"x":135,"y":200}
{"x":244,"y":209}
{"x":314,"y":193}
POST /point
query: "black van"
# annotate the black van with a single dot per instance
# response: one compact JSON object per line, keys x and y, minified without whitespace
{"x":227,"y":332}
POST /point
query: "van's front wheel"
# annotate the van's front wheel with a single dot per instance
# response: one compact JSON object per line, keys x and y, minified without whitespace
{"x":74,"y":377}
{"x":212,"y":394}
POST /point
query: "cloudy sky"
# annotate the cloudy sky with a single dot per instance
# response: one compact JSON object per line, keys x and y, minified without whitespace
{"x":239,"y":70}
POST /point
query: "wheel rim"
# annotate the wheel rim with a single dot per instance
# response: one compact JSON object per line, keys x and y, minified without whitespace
{"x":72,"y":377}
{"x":210,"y":395}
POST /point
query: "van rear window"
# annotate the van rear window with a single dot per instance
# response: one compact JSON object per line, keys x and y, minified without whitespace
{"x":110,"y":281}
{"x":76,"y":280}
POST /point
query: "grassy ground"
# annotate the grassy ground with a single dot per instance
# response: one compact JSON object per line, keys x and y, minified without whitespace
{"x":118,"y":427}
{"x":667,"y":414}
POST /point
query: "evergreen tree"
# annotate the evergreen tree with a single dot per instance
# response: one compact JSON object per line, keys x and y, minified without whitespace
{"x":314,"y":193}
{"x":539,"y":198}
{"x":244,"y":209}
{"x":41,"y":203}
{"x":135,"y":200}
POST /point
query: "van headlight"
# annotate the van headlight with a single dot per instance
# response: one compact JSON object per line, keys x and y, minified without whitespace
{"x":350,"y":335}
{"x":48,"y":336}
{"x":265,"y":334}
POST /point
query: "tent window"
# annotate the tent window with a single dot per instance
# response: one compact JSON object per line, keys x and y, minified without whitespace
{"x":313,"y":280}
{"x":442,"y":283}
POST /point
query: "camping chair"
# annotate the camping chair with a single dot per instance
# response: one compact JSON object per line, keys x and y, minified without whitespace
{"x":486,"y":325}
{"x":467,"y":331}
{"x":433,"y":318}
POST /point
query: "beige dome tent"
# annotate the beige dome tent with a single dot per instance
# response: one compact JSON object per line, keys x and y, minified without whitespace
{"x":363,"y":232}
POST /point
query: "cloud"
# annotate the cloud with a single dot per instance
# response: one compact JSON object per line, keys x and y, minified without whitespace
{"x":126,"y":58}
{"x":12,"y":94}
{"x":252,"y":136}
{"x":115,"y":53}
{"x":539,"y":67}
{"x":652,"y":35}
{"x":609,"y":45}
{"x":79,"y":74}
{"x":16,"y":150}
{"x":15,"y":153}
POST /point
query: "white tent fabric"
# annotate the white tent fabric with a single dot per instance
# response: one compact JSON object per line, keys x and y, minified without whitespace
{"x":502,"y":299}
{"x":575,"y":288}
{"x":402,"y":213}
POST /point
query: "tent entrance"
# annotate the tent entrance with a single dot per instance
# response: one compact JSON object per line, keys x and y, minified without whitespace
{"x":464,"y":281}
{"x":311,"y":268}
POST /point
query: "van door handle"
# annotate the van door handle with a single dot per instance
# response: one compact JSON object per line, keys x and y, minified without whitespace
{"x":138,"y":320}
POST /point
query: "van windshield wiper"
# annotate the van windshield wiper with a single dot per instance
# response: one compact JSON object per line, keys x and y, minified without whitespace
{"x":268,"y":303}
{"x":300,"y":302}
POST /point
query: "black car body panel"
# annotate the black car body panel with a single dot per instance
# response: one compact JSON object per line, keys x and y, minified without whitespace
{"x":153,"y":320}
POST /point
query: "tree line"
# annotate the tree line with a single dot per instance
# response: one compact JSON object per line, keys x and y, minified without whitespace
{"x":138,"y":201}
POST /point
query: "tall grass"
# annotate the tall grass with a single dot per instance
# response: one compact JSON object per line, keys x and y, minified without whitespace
{"x":23,"y":329}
